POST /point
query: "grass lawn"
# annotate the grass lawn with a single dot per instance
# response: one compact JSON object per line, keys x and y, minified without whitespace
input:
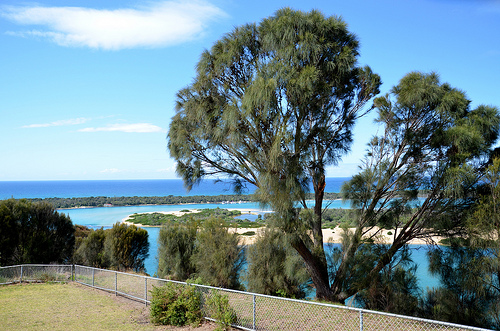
{"x":72,"y":306}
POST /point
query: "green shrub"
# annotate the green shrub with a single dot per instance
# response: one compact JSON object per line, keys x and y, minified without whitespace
{"x":219,"y":309}
{"x":176,"y":245}
{"x":275,"y":268}
{"x":219,"y":256}
{"x":175,"y":304}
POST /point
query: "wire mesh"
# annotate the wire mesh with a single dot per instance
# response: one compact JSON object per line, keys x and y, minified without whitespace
{"x":84,"y":275}
{"x":253,"y":311}
{"x":9,"y":275}
{"x":35,"y":273}
{"x":132,"y":285}
{"x":281,"y":314}
{"x":46,"y":273}
{"x":377,"y":321}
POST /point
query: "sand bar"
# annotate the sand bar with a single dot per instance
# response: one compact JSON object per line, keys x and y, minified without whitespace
{"x":329,"y":235}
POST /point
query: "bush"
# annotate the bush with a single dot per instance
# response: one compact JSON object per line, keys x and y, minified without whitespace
{"x":34,"y":232}
{"x":219,"y":309}
{"x":176,"y":246}
{"x":175,"y":304}
{"x":91,"y":250}
{"x":219,"y":257}
{"x":127,"y":246}
{"x":275,"y":268}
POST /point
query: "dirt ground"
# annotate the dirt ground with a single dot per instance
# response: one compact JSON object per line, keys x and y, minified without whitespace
{"x":140,"y":313}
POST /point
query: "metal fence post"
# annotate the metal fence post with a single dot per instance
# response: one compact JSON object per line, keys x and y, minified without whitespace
{"x":93,"y":277}
{"x":116,"y":283}
{"x":146,"y":291}
{"x":21,"y":279}
{"x":254,"y":324}
{"x":360,"y":320}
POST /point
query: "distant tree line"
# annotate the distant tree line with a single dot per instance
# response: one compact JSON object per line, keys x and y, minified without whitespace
{"x":102,"y":201}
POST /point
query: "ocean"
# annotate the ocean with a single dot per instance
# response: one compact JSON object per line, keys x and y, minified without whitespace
{"x":126,"y":188}
{"x":107,"y":216}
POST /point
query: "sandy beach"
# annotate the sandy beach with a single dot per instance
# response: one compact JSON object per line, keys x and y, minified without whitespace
{"x":335,"y":236}
{"x":329,"y":235}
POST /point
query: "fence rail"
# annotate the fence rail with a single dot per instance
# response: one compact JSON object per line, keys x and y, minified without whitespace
{"x":254,"y":311}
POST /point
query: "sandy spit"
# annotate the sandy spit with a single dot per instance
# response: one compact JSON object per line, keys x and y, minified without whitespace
{"x":329,"y":235}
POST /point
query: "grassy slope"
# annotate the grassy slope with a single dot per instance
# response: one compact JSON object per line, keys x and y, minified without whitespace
{"x":64,"y":307}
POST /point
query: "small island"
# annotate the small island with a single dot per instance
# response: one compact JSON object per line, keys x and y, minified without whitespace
{"x":199,"y":215}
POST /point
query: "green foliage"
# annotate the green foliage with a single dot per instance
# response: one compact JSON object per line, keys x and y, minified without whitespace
{"x":175,"y":304}
{"x":176,"y":245}
{"x":155,"y":219}
{"x":466,"y":296}
{"x":127,"y":246}
{"x":212,"y":255}
{"x":122,"y":247}
{"x":395,"y":289}
{"x":155,"y":200}
{"x":483,"y":227}
{"x":34,"y":232}
{"x":102,"y":201}
{"x":91,"y":251}
{"x":275,"y":268}
{"x":430,"y":140}
{"x":218,"y":308}
{"x":336,"y":217}
{"x":218,"y":257}
{"x":273,"y":104}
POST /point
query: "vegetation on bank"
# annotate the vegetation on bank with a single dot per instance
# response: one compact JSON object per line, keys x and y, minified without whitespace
{"x":102,"y":201}
{"x":331,"y":218}
{"x":227,"y":216}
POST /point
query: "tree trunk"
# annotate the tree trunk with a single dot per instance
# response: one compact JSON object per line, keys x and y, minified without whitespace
{"x":319,"y":193}
{"x":318,"y":270}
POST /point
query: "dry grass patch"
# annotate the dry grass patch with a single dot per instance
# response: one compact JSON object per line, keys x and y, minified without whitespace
{"x":72,"y":307}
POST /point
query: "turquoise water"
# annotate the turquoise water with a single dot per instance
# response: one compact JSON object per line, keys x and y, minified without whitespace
{"x":107,"y":216}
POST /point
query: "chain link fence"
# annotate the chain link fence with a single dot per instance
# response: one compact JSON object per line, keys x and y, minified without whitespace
{"x":253,"y":311}
{"x":36,"y":273}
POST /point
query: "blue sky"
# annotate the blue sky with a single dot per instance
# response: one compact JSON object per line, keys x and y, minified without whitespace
{"x":87,"y":88}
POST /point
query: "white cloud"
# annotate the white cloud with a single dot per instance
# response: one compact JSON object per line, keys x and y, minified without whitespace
{"x":167,"y":170}
{"x":73,"y":121}
{"x":111,"y":171}
{"x":136,"y":127}
{"x":157,"y":24}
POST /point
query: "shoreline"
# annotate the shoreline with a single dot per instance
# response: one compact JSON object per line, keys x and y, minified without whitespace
{"x":166,"y":204}
{"x":333,"y":236}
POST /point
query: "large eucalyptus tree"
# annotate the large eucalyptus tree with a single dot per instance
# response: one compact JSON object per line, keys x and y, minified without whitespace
{"x":273,"y":104}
